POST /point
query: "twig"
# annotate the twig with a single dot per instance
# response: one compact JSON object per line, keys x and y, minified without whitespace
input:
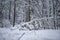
{"x":21,"y":36}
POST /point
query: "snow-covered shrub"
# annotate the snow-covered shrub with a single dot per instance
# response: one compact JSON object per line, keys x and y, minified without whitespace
{"x":35,"y":24}
{"x":38,"y":24}
{"x":32,"y":25}
{"x":19,"y":27}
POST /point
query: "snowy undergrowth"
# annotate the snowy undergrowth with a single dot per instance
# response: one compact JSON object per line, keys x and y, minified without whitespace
{"x":34,"y":24}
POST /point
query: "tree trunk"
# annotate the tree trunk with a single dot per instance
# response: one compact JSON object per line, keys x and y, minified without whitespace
{"x":9,"y":10}
{"x":14,"y":13}
{"x":1,"y":15}
{"x":28,"y":13}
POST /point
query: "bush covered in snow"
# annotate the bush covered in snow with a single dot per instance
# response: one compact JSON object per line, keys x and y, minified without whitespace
{"x":35,"y":24}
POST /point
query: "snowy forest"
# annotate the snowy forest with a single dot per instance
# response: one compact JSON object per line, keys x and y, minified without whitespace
{"x":30,"y":14}
{"x":29,"y":19}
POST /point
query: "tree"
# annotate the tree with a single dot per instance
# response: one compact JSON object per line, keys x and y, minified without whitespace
{"x":28,"y":13}
{"x":1,"y":14}
{"x":14,"y":12}
{"x":9,"y":10}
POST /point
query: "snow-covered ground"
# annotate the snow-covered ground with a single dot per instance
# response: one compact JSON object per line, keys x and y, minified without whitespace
{"x":8,"y":34}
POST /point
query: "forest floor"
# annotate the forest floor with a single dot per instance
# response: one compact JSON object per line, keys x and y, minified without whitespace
{"x":48,"y":34}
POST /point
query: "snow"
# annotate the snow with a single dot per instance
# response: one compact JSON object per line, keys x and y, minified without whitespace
{"x":42,"y":35}
{"x":16,"y":34}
